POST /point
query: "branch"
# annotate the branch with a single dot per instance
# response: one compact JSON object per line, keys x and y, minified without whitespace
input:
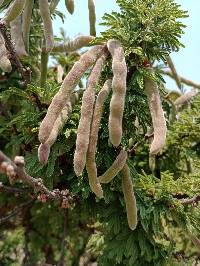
{"x":182,"y":79}
{"x":193,"y":201}
{"x":12,"y":189}
{"x":16,"y":211}
{"x":16,"y":171}
{"x":173,"y":71}
{"x":25,"y":72}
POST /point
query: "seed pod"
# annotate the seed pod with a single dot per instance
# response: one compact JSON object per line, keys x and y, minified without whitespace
{"x":129,"y":197}
{"x":70,"y":6}
{"x":115,"y":168}
{"x":174,"y":72}
{"x":82,"y":140}
{"x":119,"y":91}
{"x":16,"y":36}
{"x":71,"y":46}
{"x":60,"y":73}
{"x":92,"y":17}
{"x":59,"y":123}
{"x":43,"y":153}
{"x":185,"y":98}
{"x":157,"y":115}
{"x":26,"y":22}
{"x":63,"y":95}
{"x":48,"y":29}
{"x":5,"y":64}
{"x":90,"y":162}
{"x":14,"y":10}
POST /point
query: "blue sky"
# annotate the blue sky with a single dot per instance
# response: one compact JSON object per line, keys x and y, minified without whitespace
{"x":187,"y":60}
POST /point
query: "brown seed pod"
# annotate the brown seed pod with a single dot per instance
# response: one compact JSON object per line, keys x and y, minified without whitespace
{"x":43,"y":153}
{"x":26,"y":22}
{"x":14,"y":10}
{"x":70,"y":6}
{"x":185,"y":98}
{"x":119,"y":91}
{"x":90,"y":162}
{"x":83,"y":132}
{"x":157,"y":115}
{"x":71,"y":46}
{"x":16,"y":36}
{"x":115,"y":168}
{"x":63,"y":95}
{"x":5,"y":64}
{"x":60,"y":73}
{"x":129,"y":197}
{"x":92,"y":17}
{"x":48,"y":29}
{"x":59,"y":123}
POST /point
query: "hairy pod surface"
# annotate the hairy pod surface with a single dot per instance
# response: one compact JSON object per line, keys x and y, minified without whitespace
{"x":5,"y":64}
{"x":43,"y":153}
{"x":16,"y":36}
{"x":129,"y":197}
{"x":92,"y":17}
{"x":185,"y":98}
{"x":77,"y":43}
{"x":119,"y":91}
{"x":96,"y":119}
{"x":26,"y":22}
{"x":157,"y":115}
{"x":14,"y":10}
{"x":115,"y":168}
{"x":70,"y":6}
{"x":63,"y":95}
{"x":83,"y":132}
{"x":59,"y":123}
{"x":47,"y":23}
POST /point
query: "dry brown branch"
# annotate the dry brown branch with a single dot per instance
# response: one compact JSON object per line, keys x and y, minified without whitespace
{"x":182,"y":79}
{"x":15,"y":171}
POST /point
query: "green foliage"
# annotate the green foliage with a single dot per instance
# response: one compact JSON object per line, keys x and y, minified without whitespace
{"x":148,"y":29}
{"x":97,"y":230}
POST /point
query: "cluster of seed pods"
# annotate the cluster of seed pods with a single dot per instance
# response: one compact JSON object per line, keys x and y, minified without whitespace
{"x":18,"y":17}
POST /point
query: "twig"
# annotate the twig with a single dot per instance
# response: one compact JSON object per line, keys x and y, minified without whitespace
{"x":16,"y":211}
{"x":182,"y":79}
{"x":25,"y":72}
{"x":36,"y":183}
{"x":173,"y":71}
{"x":193,"y":201}
{"x":12,"y":189}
